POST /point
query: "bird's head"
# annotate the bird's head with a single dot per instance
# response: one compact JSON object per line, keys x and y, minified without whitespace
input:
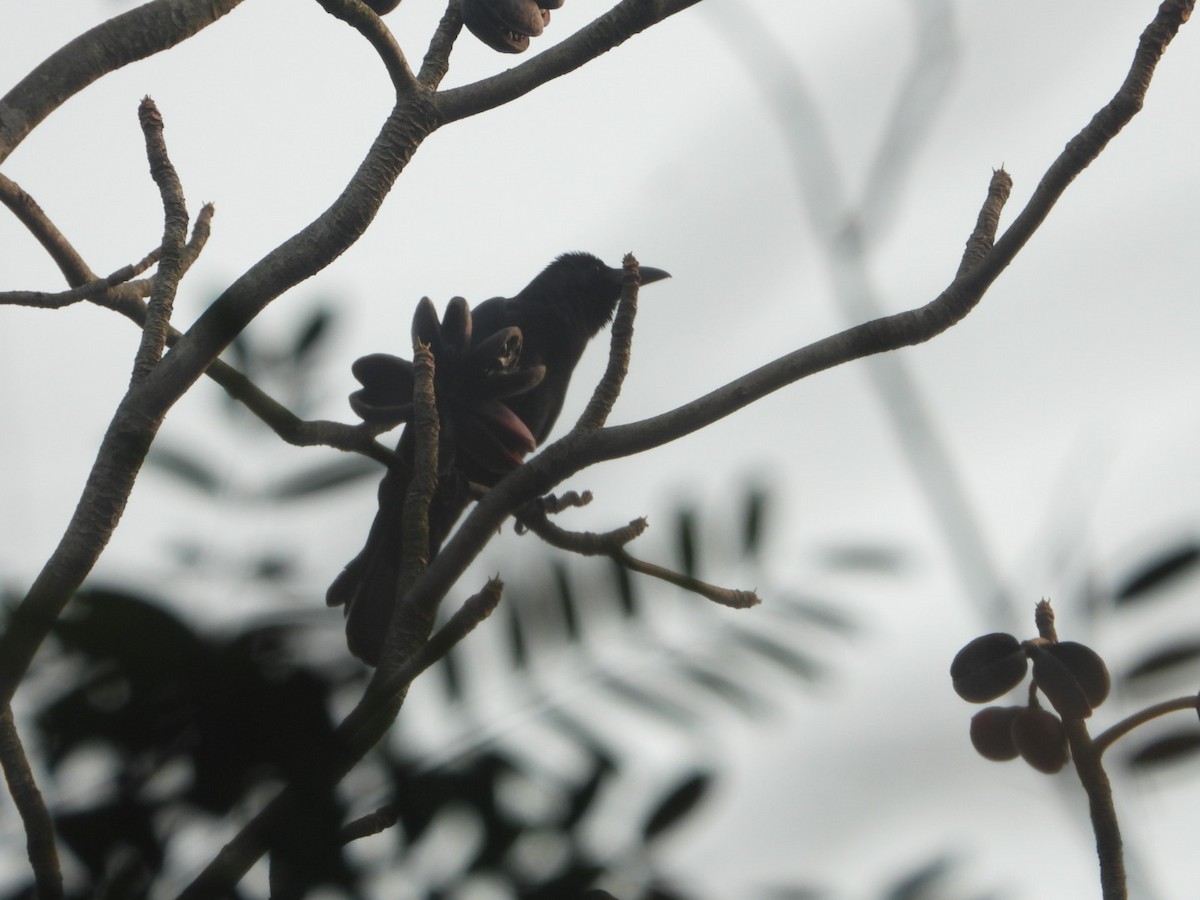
{"x":581,"y":286}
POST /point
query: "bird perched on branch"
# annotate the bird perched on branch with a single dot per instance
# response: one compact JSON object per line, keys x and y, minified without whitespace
{"x":501,"y":375}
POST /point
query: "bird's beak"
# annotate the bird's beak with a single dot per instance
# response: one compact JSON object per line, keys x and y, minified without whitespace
{"x":649,"y":274}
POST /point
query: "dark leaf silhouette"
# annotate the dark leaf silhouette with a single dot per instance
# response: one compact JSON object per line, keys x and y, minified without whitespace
{"x":1172,"y":656}
{"x":864,"y":557}
{"x":1157,"y":571}
{"x":677,"y":804}
{"x":312,"y":334}
{"x":754,"y":520}
{"x":1168,"y":748}
{"x":346,"y":469}
{"x":920,"y":884}
{"x":566,"y":601}
{"x":795,"y":661}
{"x":625,"y":588}
{"x":687,"y":541}
{"x":186,"y":466}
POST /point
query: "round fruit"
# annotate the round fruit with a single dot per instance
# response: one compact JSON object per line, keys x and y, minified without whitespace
{"x":988,"y":667}
{"x":1087,"y":667}
{"x":1039,"y":737}
{"x":991,"y":732}
{"x":1058,"y":683}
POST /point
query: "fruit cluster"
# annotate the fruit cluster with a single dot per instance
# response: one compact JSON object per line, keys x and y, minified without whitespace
{"x":1071,"y":676}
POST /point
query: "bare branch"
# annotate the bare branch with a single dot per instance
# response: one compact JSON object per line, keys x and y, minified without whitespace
{"x":141,"y":32}
{"x":34,"y":218}
{"x":411,"y":624}
{"x":605,"y":396}
{"x":175,"y":223}
{"x":39,"y":828}
{"x":92,"y":290}
{"x":612,"y":544}
{"x":613,"y":28}
{"x":437,"y":57}
{"x":370,"y":26}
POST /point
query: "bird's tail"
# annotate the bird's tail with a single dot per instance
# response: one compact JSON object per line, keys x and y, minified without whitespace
{"x":368,"y":585}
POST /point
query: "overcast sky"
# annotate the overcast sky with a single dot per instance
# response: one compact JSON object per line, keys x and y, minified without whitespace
{"x":1067,"y":400}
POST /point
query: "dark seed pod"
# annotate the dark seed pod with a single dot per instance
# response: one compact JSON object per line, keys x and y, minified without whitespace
{"x":425,"y":326}
{"x":1058,"y":683}
{"x":456,"y":326}
{"x":1040,"y":738}
{"x":988,"y":667}
{"x":991,"y":732}
{"x":505,"y":25}
{"x":1088,"y":668}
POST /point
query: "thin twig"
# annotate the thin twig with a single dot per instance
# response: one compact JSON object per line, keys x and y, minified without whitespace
{"x":125,"y":38}
{"x":411,"y":624}
{"x":39,"y":828}
{"x":984,"y":236}
{"x":608,"y":31}
{"x":437,"y":58}
{"x":370,"y":26}
{"x":175,"y":226}
{"x":596,"y":413}
{"x":89,"y":291}
{"x":1086,"y":758}
{"x":1113,"y":733}
{"x":612,"y":544}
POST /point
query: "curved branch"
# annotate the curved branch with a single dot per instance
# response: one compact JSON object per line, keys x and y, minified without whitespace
{"x":615,"y":27}
{"x":1113,"y":733}
{"x":171,"y":267}
{"x":141,"y":32}
{"x":39,"y":828}
{"x":370,"y":26}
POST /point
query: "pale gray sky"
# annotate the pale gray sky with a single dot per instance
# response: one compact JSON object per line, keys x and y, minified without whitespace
{"x":1067,"y":399}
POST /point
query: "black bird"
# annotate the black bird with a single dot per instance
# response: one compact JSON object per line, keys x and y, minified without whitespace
{"x":502,"y":372}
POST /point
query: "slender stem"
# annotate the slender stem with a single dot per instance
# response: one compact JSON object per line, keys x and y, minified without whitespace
{"x":1109,"y":736}
{"x":39,"y":828}
{"x":1100,"y":804}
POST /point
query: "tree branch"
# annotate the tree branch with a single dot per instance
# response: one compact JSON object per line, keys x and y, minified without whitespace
{"x":437,"y":58}
{"x":369,"y":25}
{"x":365,"y":725}
{"x":39,"y":828}
{"x":141,"y":32}
{"x":170,"y":266}
{"x":613,"y":28}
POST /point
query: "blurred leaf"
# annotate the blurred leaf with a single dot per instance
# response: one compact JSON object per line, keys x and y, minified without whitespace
{"x":816,"y":611}
{"x":345,"y":469}
{"x":919,"y":884}
{"x":687,"y":540}
{"x":582,"y":798}
{"x":1168,"y":657}
{"x":185,"y":466}
{"x":625,"y":588}
{"x":721,"y":685}
{"x":312,"y":333}
{"x":793,"y":892}
{"x":566,"y":600}
{"x":451,"y":674}
{"x":1159,"y":569}
{"x":117,"y":832}
{"x":652,"y":701}
{"x":1166,"y":749}
{"x":777,"y":651}
{"x":518,"y":649}
{"x":754,"y":520}
{"x":877,"y":558}
{"x":676,"y":805}
{"x":274,"y":567}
